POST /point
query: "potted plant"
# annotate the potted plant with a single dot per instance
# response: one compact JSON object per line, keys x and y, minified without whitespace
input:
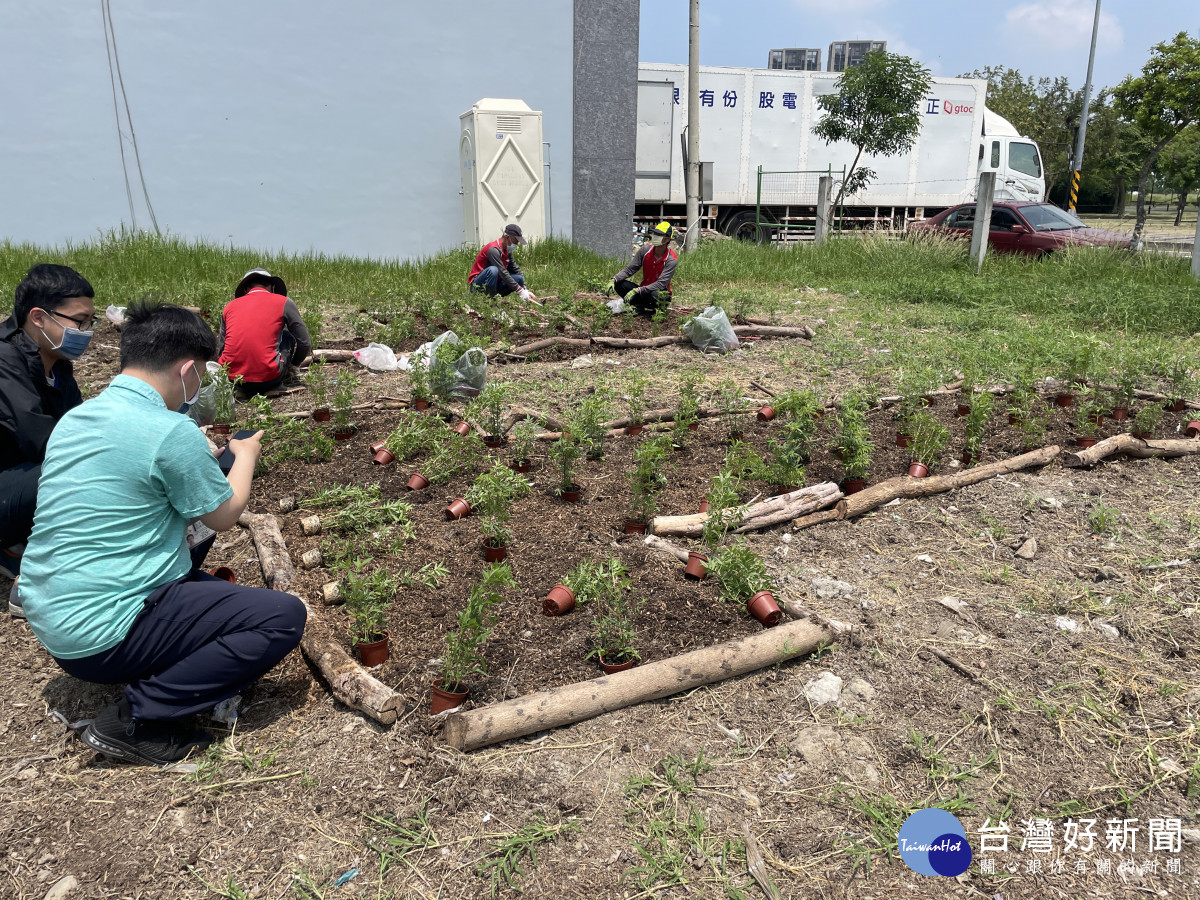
{"x":743,"y":577}
{"x":1024,"y":399}
{"x":730,"y":402}
{"x":580,"y":585}
{"x":411,"y":437}
{"x":1182,"y":384}
{"x":418,"y":382}
{"x":929,"y":439}
{"x":587,"y":423}
{"x":1076,"y":373}
{"x":492,"y":496}
{"x":635,"y":398}
{"x":978,"y":415}
{"x":646,"y":480}
{"x":687,"y":412}
{"x":317,"y":379}
{"x":1126,"y":380}
{"x":464,"y":647}
{"x":785,"y":471}
{"x":1146,"y":420}
{"x":724,"y":514}
{"x":523,"y":438}
{"x":366,"y":599}
{"x":1088,"y":417}
{"x":613,"y":633}
{"x":566,"y":452}
{"x":854,"y":442}
{"x":343,"y":401}
{"x":915,"y":384}
{"x":487,"y":410}
{"x":223,"y":399}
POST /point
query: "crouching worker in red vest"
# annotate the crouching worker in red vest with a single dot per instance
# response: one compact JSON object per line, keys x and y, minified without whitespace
{"x":656,"y":259}
{"x":261,"y":333}
{"x":108,"y":583}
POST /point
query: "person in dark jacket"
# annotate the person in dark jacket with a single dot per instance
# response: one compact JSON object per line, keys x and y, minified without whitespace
{"x":51,"y":324}
{"x":656,"y":259}
{"x":261,"y":333}
{"x":495,"y":271}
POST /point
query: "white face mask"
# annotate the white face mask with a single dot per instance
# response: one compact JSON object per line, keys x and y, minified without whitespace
{"x":188,"y":401}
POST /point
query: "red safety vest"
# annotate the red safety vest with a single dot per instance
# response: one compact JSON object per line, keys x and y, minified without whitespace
{"x":481,"y":260}
{"x":253,"y":323}
{"x":652,"y":266}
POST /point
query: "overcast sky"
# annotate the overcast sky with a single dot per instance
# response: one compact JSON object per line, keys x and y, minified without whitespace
{"x":1041,"y":38}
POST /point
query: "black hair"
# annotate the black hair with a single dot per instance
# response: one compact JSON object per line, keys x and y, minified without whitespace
{"x":157,"y":335}
{"x":47,"y":286}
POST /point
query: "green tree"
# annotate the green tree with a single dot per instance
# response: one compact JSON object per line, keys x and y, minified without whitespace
{"x":876,"y":109}
{"x":1045,"y":110}
{"x":1179,"y":165}
{"x":1114,"y":153}
{"x":1162,"y":101}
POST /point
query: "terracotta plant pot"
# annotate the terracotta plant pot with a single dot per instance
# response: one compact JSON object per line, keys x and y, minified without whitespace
{"x":559,"y":602}
{"x":695,"y":426}
{"x":918,"y":470}
{"x":963,"y":410}
{"x":610,"y":668}
{"x":343,"y":434}
{"x":778,"y":489}
{"x":377,"y":446}
{"x":520,"y":466}
{"x":1176,"y":405}
{"x":853,"y":485}
{"x":416,"y":482}
{"x":572,"y":494}
{"x":461,"y":428}
{"x":1120,"y":413}
{"x":493,"y":442}
{"x":384,"y":457}
{"x":838,"y":455}
{"x":1014,"y":419}
{"x":322,"y":414}
{"x":1142,"y":435}
{"x":632,"y":430}
{"x":632,"y":526}
{"x":696,"y":567}
{"x":969,"y":459}
{"x":222,"y":429}
{"x":420,"y":405}
{"x":766,"y":414}
{"x":458,"y":509}
{"x":373,"y":653}
{"x":1064,"y":399}
{"x":1192,"y":429}
{"x":1085,"y":442}
{"x":224,"y":573}
{"x":494,"y":554}
{"x":902,"y":439}
{"x":442,"y":700}
{"x":703,"y":506}
{"x":764,"y":608}
{"x":1098,"y":419}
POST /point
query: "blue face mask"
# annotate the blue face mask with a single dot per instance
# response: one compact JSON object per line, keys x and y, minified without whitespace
{"x":188,"y":401}
{"x":74,"y":341}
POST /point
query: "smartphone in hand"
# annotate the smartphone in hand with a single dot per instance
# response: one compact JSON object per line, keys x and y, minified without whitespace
{"x":225,"y":460}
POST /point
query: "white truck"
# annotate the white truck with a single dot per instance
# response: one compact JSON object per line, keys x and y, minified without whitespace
{"x":762,"y":161}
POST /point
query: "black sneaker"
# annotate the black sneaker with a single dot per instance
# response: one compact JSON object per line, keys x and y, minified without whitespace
{"x":15,"y":608}
{"x":118,"y":735}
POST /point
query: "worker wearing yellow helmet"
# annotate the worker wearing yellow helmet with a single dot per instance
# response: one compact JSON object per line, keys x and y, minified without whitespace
{"x":657,"y":260}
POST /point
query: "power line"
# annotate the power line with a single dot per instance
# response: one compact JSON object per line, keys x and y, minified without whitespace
{"x":117,"y":114}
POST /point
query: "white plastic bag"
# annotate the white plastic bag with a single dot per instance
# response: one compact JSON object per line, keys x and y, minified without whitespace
{"x":377,"y":357}
{"x":711,"y":332}
{"x":115,"y":314}
{"x":617,"y":305}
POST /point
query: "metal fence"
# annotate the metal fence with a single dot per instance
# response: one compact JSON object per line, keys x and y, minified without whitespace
{"x":787,"y":201}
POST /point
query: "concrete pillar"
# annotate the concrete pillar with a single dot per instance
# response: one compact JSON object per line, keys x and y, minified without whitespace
{"x":824,"y":188}
{"x":983,"y":219}
{"x":605,"y":125}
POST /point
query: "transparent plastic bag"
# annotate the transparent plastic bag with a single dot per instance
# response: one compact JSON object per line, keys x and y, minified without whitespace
{"x":204,"y":410}
{"x":465,"y":378}
{"x":711,"y":332}
{"x":377,"y":357}
{"x":115,"y":314}
{"x":470,"y":373}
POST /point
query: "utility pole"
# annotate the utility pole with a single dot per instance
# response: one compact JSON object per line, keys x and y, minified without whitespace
{"x":1083,"y":117}
{"x":693,"y":127}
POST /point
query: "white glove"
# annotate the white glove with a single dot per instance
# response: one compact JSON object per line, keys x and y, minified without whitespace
{"x":524,"y":294}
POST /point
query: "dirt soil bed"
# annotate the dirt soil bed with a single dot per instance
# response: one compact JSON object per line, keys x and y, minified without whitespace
{"x":1082,"y":701}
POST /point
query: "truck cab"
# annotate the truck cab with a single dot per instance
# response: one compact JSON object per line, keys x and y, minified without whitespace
{"x":1015,"y":160}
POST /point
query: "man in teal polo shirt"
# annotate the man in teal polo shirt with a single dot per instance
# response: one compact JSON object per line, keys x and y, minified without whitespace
{"x":107,"y":581}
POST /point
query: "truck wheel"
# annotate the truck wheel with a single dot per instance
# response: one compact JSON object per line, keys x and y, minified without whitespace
{"x":742,"y":227}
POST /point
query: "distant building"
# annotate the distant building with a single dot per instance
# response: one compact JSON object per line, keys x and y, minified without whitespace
{"x":845,"y":55}
{"x":795,"y":59}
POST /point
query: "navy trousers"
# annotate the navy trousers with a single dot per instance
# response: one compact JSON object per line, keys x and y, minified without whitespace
{"x":198,"y":641}
{"x":18,"y":498}
{"x":489,"y":282}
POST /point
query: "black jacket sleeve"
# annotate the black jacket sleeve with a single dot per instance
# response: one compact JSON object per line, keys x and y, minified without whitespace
{"x":294,"y":323}
{"x":495,"y":258}
{"x":27,"y":413}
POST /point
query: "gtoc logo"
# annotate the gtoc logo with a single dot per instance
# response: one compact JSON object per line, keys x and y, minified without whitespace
{"x":932,"y":107}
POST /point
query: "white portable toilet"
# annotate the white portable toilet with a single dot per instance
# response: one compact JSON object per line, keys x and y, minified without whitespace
{"x":500,"y":155}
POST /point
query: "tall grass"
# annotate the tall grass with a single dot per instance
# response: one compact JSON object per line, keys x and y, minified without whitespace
{"x":1082,"y":289}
